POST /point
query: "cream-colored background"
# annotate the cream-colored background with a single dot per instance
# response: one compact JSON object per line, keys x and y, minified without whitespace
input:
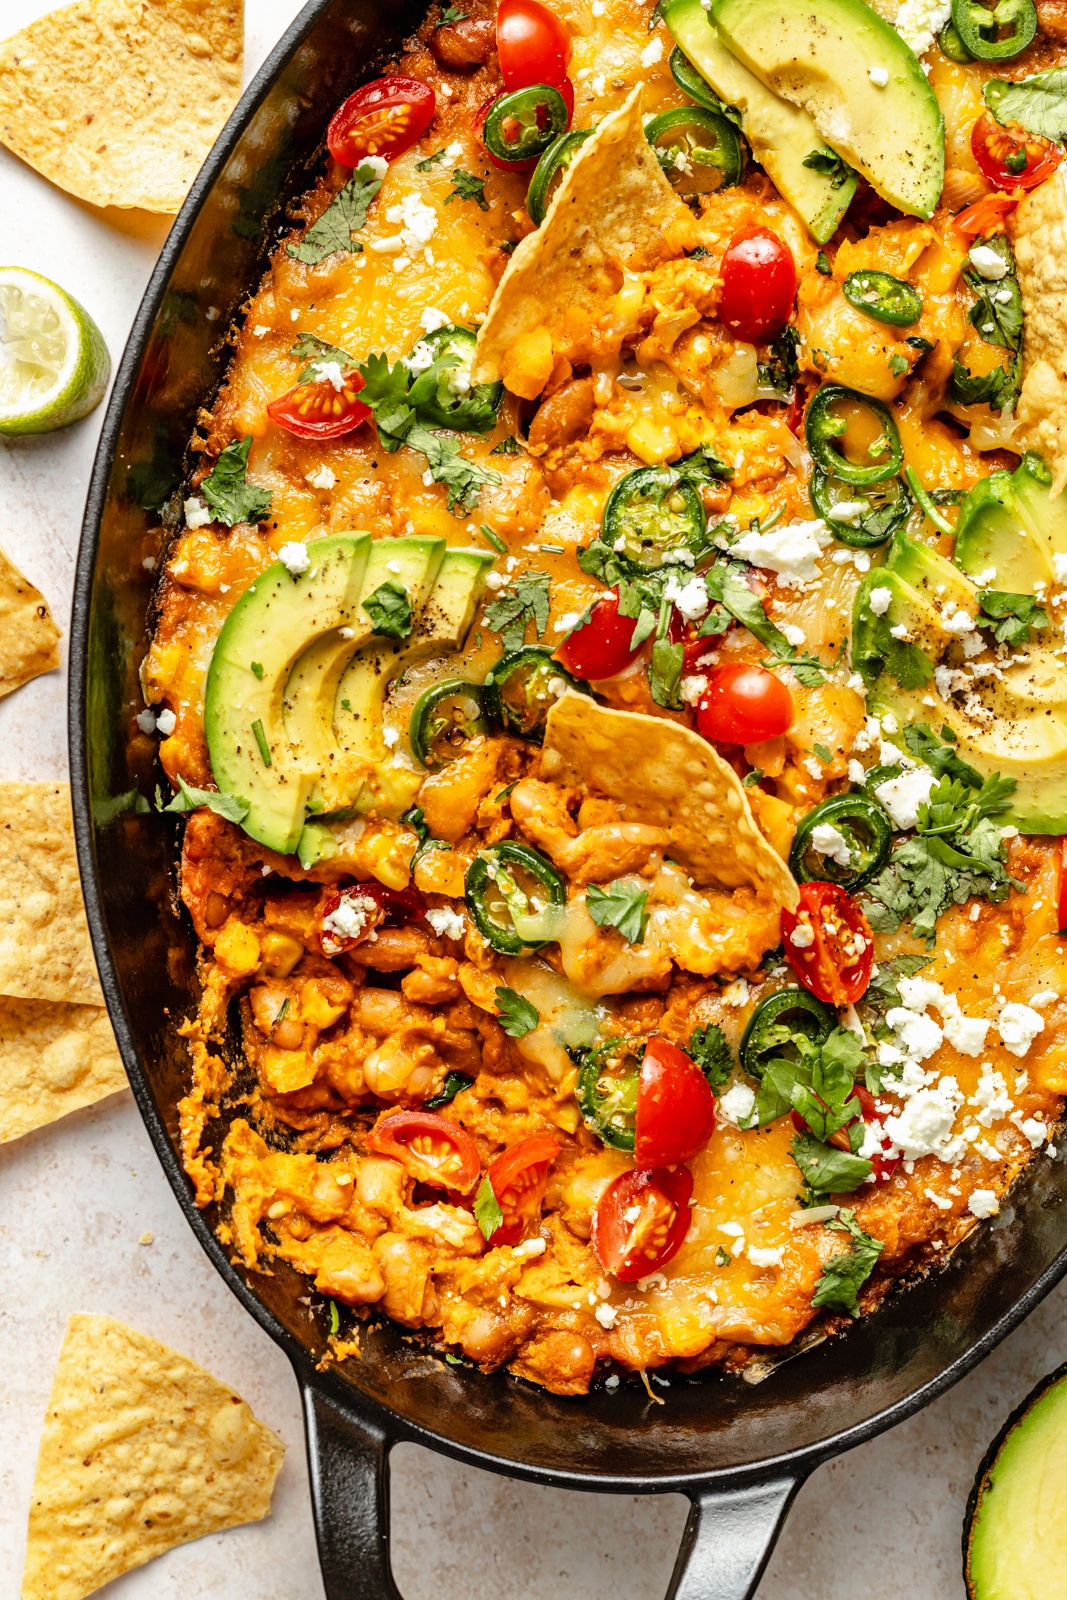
{"x":75,"y":1198}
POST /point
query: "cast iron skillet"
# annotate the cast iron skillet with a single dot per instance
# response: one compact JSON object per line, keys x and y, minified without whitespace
{"x":737,"y":1451}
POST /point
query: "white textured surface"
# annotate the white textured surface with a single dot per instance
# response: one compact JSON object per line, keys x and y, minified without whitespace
{"x":75,"y":1198}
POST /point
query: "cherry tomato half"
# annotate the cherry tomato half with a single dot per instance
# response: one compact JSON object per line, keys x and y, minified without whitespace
{"x":986,"y":217}
{"x":318,"y":410}
{"x":829,"y":944}
{"x":518,"y":1177}
{"x":433,"y":1149}
{"x":882,"y":1166}
{"x":675,"y":1107}
{"x":532,"y":43}
{"x":1012,"y":160}
{"x":347,"y":914}
{"x":744,"y":704}
{"x":641,"y":1220}
{"x":384,"y":118}
{"x":759,"y":285}
{"x":600,"y":646}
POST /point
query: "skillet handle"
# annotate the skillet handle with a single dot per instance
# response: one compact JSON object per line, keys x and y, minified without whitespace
{"x":348,"y":1464}
{"x":728,"y":1538}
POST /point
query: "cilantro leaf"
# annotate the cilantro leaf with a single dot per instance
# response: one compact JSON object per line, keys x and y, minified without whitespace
{"x":431,"y":161}
{"x":223,"y":805}
{"x":843,"y":1275}
{"x":463,"y":479}
{"x":227,"y":495}
{"x":310,"y":348}
{"x":898,"y":364}
{"x":822,"y":264}
{"x":385,"y":390}
{"x":487,"y":1212}
{"x":828,"y":164}
{"x":999,"y":320}
{"x":702,"y":466}
{"x":465,"y":186}
{"x":882,"y":991}
{"x":454,"y":1084}
{"x":507,"y":447}
{"x":779,"y":373}
{"x":526,"y":602}
{"x":940,"y":758}
{"x":451,"y":14}
{"x":998,"y":388}
{"x":1011,"y":616}
{"x":1038,"y":103}
{"x":344,"y":216}
{"x":416,"y":820}
{"x":710,"y":1050}
{"x":389,"y":609}
{"x":908,"y":663}
{"x":665,"y":673}
{"x":621,"y":905}
{"x":517,"y":1015}
{"x":826,"y":1169}
{"x":726,"y":583}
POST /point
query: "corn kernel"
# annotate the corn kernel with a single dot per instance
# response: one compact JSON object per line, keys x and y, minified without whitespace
{"x":280,"y":953}
{"x":651,"y":442}
{"x":237,"y":948}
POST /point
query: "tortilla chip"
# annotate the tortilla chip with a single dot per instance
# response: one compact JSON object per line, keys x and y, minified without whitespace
{"x":119,"y":101}
{"x":53,"y":1059}
{"x":665,"y":775}
{"x":28,"y":636}
{"x":613,"y":209}
{"x":1040,"y":237}
{"x":45,"y":953}
{"x":142,"y":1450}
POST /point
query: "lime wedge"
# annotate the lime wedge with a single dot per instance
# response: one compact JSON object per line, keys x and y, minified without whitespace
{"x":54,"y":364}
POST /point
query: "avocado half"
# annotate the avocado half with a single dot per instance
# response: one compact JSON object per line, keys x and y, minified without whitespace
{"x":1015,"y":1528}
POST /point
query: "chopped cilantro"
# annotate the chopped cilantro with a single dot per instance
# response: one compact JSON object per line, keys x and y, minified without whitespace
{"x":1011,"y":616}
{"x":507,"y":447}
{"x":829,"y":165}
{"x":621,"y":905}
{"x":261,"y":741}
{"x":516,"y":1015}
{"x":335,"y":1317}
{"x":527,"y":602}
{"x":751,"y":779}
{"x":223,"y":805}
{"x":822,"y":264}
{"x":450,"y":14}
{"x":389,"y":609}
{"x":344,"y":216}
{"x":844,"y":1275}
{"x":465,"y":186}
{"x":898,"y":364}
{"x":454,"y":1084}
{"x":823,"y":754}
{"x":710,"y":1049}
{"x":779,"y":373}
{"x":487,"y":1212}
{"x":310,"y":348}
{"x":227,"y":495}
{"x":257,"y":669}
{"x":722,"y":1257}
{"x":431,"y":161}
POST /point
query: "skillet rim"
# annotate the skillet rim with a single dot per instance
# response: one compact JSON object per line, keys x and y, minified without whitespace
{"x":395,"y":1427}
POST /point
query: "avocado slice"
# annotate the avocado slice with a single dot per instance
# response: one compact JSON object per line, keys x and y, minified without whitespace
{"x":1015,"y":1531}
{"x":1010,"y":529}
{"x":377,"y":777}
{"x":820,"y":57}
{"x":1020,"y":728}
{"x":781,"y":136}
{"x":273,"y":622}
{"x":311,"y":692}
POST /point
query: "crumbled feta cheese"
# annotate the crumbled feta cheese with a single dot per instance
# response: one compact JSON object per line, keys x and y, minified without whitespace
{"x":294,"y":557}
{"x":606,"y":1314}
{"x":419,"y":224}
{"x":736,"y":993}
{"x":967,"y":1034}
{"x":529,"y":1247}
{"x":959,"y":622}
{"x":736,"y":1105}
{"x":919,"y":993}
{"x":445,"y":922}
{"x":760,"y":1257}
{"x":612,"y":1383}
{"x":347,"y":920}
{"x":879,"y":600}
{"x":378,"y":165}
{"x":828,"y":841}
{"x":733,"y":1230}
{"x":495,"y":580}
{"x":691,"y":688}
{"x":1019,"y":1026}
{"x":166,"y":722}
{"x":598,"y":8}
{"x":390,"y":738}
{"x":924,"y":1125}
{"x":322,"y":478}
{"x":1032,"y":1128}
{"x":879,"y":76}
{"x":917,"y":1034}
{"x":940,"y":1201}
{"x":329,"y":372}
{"x":983,"y":1203}
{"x":197,"y":514}
{"x":919,"y":21}
{"x":420,"y":359}
{"x":146,"y":721}
{"x":432,"y":319}
{"x":790,"y":550}
{"x":903,"y":796}
{"x":899,"y":630}
{"x":690,"y":596}
{"x":796,"y":636}
{"x":857,"y":772}
{"x":802,"y":936}
{"x":987,"y":263}
{"x":652,"y":52}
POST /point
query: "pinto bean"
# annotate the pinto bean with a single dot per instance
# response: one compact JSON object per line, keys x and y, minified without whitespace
{"x":464,"y":45}
{"x":564,"y":416}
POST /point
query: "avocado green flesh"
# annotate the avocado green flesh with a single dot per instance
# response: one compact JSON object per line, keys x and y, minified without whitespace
{"x":1009,"y":531}
{"x":818,"y":55}
{"x":1022,"y":731}
{"x":780,"y":134}
{"x":312,"y":690}
{"x":1017,"y":1549}
{"x":376,"y":778}
{"x":271,"y":624}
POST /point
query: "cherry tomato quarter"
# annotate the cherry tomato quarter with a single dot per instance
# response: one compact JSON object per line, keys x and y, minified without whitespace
{"x":433,"y":1149}
{"x":384,"y":118}
{"x":1012,"y":159}
{"x":518,"y":1177}
{"x":599,"y":647}
{"x":532,"y":43}
{"x":321,"y":410}
{"x":759,"y":285}
{"x":744,"y":704}
{"x":675,"y":1107}
{"x":641,"y":1220}
{"x":829,"y":944}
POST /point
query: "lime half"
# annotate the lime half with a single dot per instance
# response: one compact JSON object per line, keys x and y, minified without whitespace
{"x":54,"y":364}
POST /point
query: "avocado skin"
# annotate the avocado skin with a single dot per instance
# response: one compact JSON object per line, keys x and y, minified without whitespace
{"x":780,"y":134}
{"x":985,"y":1509}
{"x":817,"y":54}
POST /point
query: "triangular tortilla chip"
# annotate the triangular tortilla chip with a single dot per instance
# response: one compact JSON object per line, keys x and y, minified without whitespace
{"x":29,"y":638}
{"x":119,"y":101}
{"x":142,"y":1450}
{"x":1039,"y":232}
{"x":613,"y":209}
{"x":45,"y":952}
{"x":663,"y":774}
{"x":53,"y":1059}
